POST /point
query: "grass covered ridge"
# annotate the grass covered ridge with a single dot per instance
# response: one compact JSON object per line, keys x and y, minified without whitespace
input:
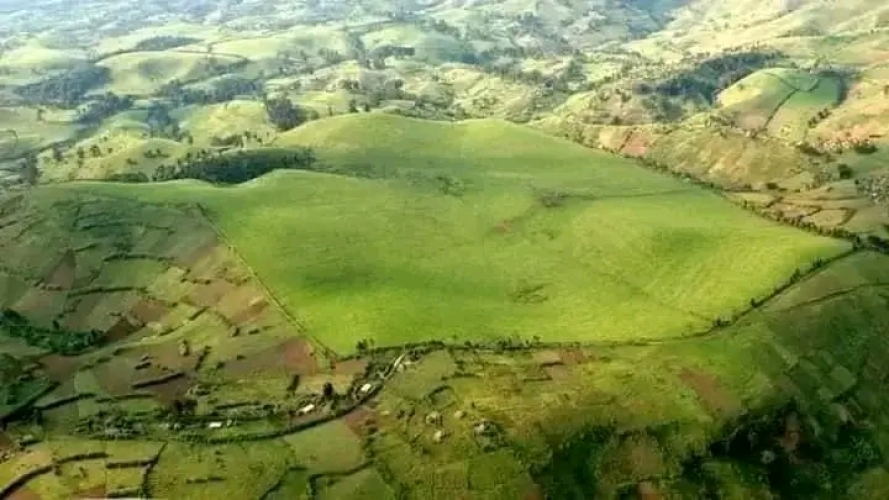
{"x":540,"y":237}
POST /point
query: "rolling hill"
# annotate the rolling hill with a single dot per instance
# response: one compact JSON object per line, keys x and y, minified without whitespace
{"x":385,"y":250}
{"x":503,"y":224}
{"x":481,"y":233}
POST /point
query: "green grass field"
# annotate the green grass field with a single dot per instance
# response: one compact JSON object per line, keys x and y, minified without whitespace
{"x":143,"y":73}
{"x":780,"y":100}
{"x":223,"y":120}
{"x":434,"y":47}
{"x":311,"y":40}
{"x":629,"y":255}
{"x":30,"y":132}
{"x":752,"y":101}
{"x":791,"y":120}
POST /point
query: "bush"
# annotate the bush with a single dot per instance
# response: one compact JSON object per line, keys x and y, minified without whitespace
{"x":865,"y":148}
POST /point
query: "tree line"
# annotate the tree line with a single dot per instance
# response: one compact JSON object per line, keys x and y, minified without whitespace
{"x":54,"y":339}
{"x":707,"y":78}
{"x":234,"y":168}
{"x":224,"y":90}
{"x":66,"y":89}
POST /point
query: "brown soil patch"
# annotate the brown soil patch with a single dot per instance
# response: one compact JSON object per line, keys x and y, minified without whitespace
{"x":117,"y":376}
{"x":24,"y":493}
{"x":209,"y":295}
{"x":547,"y":357}
{"x":573,"y":356}
{"x":170,"y":391}
{"x":149,"y":310}
{"x":92,"y":493}
{"x":59,"y":368}
{"x":6,"y":442}
{"x":751,"y":121}
{"x":350,"y":367}
{"x":300,"y":355}
{"x":755,"y":198}
{"x":358,"y":419}
{"x":711,"y":392}
{"x":637,"y":145}
{"x":829,"y":218}
{"x":557,"y":372}
{"x":612,"y":138}
{"x":65,"y":272}
{"x":242,"y":305}
{"x":164,"y":356}
{"x":252,"y":312}
{"x":293,"y":356}
{"x":121,"y":330}
{"x":39,"y":304}
{"x":191,"y":258}
{"x":791,"y":211}
{"x":79,"y":319}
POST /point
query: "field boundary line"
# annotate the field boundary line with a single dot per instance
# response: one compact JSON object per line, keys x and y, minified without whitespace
{"x":779,"y":106}
{"x":301,"y":328}
{"x":780,"y":290}
{"x":834,"y":295}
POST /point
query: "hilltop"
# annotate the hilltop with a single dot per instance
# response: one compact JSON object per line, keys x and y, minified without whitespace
{"x":494,"y":231}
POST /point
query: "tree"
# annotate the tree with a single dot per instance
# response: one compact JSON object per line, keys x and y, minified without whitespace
{"x":353,"y":106}
{"x":328,"y":390}
{"x":184,"y":407}
{"x":284,"y":114}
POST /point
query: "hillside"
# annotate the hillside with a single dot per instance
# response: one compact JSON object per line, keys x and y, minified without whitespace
{"x":548,"y":268}
{"x":508,"y":226}
{"x":499,"y":250}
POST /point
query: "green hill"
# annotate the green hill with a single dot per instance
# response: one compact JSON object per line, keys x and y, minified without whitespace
{"x":143,"y":73}
{"x":483,"y":230}
{"x":452,"y":307}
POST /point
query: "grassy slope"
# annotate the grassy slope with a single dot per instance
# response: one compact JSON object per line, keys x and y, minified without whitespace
{"x":820,"y":342}
{"x":143,"y":73}
{"x":644,"y":257}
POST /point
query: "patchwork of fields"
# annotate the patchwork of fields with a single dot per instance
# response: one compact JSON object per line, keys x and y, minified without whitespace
{"x":444,"y":250}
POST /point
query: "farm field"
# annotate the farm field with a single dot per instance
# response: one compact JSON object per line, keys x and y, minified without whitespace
{"x":622,"y":239}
